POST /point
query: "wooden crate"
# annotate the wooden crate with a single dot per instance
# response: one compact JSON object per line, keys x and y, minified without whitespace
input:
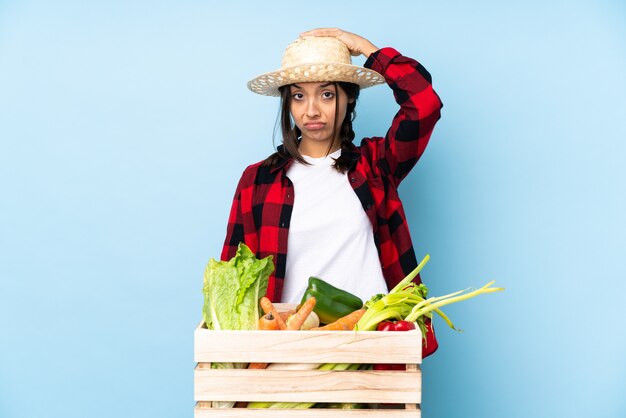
{"x":401,"y":389}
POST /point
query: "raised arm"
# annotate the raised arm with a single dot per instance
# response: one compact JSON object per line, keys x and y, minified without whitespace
{"x":413,"y":124}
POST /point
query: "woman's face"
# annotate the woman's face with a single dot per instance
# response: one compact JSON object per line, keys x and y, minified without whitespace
{"x":312,"y":108}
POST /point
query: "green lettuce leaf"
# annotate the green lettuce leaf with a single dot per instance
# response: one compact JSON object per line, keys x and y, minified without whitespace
{"x":232,"y":290}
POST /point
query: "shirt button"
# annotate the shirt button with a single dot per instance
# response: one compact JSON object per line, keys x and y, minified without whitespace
{"x":368,"y":206}
{"x":352,"y":179}
{"x":282,"y":224}
{"x":288,"y":195}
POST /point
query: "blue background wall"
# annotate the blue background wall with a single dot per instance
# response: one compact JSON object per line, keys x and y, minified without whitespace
{"x":124,"y":127}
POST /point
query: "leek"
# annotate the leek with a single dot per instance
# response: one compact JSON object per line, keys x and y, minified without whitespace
{"x":408,"y":301}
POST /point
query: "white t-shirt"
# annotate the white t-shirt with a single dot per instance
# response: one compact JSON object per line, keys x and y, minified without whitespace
{"x":330,"y":236}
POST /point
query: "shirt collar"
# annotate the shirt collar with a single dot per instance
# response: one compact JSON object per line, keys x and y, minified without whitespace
{"x":283,"y":162}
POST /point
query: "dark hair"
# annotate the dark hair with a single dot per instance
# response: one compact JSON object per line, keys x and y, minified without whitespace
{"x":291,"y":134}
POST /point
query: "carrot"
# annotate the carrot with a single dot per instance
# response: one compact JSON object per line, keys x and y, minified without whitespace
{"x":296,"y":320}
{"x":268,"y":307}
{"x":345,"y":323}
{"x":268,"y":322}
{"x":257,"y":365}
{"x":286,"y":314}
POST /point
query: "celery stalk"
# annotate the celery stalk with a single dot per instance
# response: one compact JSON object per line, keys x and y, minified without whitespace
{"x":443,"y":300}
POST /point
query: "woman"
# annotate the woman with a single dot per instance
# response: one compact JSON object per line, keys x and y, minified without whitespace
{"x":320,"y":205}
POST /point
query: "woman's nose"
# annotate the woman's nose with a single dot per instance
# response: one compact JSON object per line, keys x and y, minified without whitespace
{"x":312,"y":109}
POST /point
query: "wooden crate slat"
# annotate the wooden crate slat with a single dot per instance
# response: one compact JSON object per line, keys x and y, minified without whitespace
{"x":361,"y":386}
{"x":402,"y":388}
{"x":307,"y":413}
{"x":307,"y":346}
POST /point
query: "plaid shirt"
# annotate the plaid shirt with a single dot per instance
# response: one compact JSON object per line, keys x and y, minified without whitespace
{"x":263,"y":202}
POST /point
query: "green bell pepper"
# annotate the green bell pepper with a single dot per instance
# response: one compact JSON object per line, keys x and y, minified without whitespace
{"x":331,"y":303}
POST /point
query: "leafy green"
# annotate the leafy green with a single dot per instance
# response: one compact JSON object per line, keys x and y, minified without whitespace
{"x":408,"y":301}
{"x":395,"y":305}
{"x":232,"y":290}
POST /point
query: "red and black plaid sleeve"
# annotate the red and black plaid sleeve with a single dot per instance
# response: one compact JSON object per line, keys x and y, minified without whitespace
{"x":413,"y":125}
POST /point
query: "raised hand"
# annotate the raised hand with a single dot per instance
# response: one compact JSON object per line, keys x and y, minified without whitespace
{"x":355,"y":43}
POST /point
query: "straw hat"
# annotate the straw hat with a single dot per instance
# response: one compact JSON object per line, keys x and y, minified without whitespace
{"x":314,"y":58}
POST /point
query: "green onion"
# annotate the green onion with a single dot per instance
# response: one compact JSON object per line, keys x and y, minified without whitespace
{"x":407,"y":301}
{"x":433,"y":304}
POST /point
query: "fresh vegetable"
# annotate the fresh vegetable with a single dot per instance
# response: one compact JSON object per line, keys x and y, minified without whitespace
{"x":396,"y":304}
{"x":284,"y":315}
{"x":296,"y":320}
{"x":332,"y":302}
{"x":345,"y":323}
{"x":231,"y":296}
{"x":407,"y":301}
{"x":258,"y":366}
{"x":345,"y":406}
{"x":393,"y":326}
{"x":434,"y":303}
{"x":399,"y":310}
{"x":268,"y":307}
{"x":268,"y":322}
{"x":232,"y":290}
{"x":312,"y":321}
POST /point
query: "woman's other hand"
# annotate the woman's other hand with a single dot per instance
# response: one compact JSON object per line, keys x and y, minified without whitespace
{"x":355,"y":43}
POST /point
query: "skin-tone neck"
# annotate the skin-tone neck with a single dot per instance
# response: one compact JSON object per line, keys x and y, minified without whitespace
{"x":317,"y":149}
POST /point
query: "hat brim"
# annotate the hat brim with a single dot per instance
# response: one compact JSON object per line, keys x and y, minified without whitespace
{"x":267,"y":84}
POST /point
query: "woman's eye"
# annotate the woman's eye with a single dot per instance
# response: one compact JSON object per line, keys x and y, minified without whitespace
{"x":328,"y":95}
{"x":297,"y":96}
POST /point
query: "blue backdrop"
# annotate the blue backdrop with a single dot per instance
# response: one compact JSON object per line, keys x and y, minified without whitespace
{"x":124,"y":127}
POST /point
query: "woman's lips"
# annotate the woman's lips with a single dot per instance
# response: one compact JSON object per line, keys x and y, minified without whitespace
{"x":314,"y":126}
